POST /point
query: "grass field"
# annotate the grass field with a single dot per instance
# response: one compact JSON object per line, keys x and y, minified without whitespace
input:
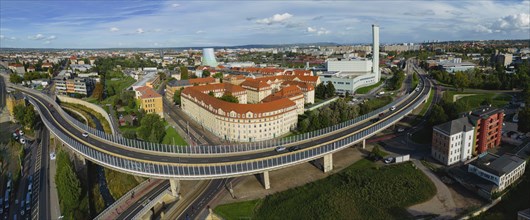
{"x":473,"y":101}
{"x":364,"y":190}
{"x":366,"y":89}
{"x":239,"y":210}
{"x":119,"y":183}
{"x":172,"y":137}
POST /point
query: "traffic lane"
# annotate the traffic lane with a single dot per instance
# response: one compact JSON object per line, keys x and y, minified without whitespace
{"x":44,"y":191}
{"x":201,"y":202}
{"x":195,"y":160}
{"x":138,"y":206}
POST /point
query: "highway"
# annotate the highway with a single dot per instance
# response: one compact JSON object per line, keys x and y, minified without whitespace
{"x":138,"y":206}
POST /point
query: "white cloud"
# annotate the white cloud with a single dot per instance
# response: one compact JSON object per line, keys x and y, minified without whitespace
{"x":53,"y":37}
{"x":200,"y":32}
{"x":114,"y":29}
{"x":13,"y":38}
{"x":175,"y":5}
{"x":321,"y":31}
{"x":483,"y":29}
{"x":512,"y":22}
{"x":2,"y":37}
{"x":140,"y":31}
{"x":47,"y":42}
{"x":36,"y":37}
{"x":277,"y":18}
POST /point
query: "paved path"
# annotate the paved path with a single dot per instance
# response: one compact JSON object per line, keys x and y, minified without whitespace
{"x":441,"y":204}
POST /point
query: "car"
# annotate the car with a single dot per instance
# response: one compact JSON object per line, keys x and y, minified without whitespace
{"x":280,"y":148}
{"x":20,"y":132}
{"x":22,"y":141}
{"x":373,"y":120}
{"x":392,"y":108}
{"x":295,"y":148}
{"x":389,"y":160}
{"x":85,"y":134}
{"x":381,"y":114}
{"x":400,"y":130}
{"x":22,"y":208}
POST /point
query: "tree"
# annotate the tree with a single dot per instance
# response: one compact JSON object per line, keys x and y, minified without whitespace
{"x":176,"y":96}
{"x":206,"y":73}
{"x":29,"y":117}
{"x":460,"y":81}
{"x":438,"y":115}
{"x":129,"y":134}
{"x":330,"y":90}
{"x":229,"y":98}
{"x":15,"y":78}
{"x":162,"y":76}
{"x":304,"y":125}
{"x":320,"y":91}
{"x":183,"y":73}
{"x":218,"y":75}
{"x":68,"y":184}
{"x":98,"y":92}
{"x":524,"y":120}
{"x":211,"y":94}
{"x":151,"y":128}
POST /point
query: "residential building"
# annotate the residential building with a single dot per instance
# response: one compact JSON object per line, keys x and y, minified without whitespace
{"x":150,"y":100}
{"x":234,"y":79}
{"x":77,"y":85}
{"x":256,"y":90}
{"x":174,"y":85}
{"x":500,"y":170}
{"x":239,"y":122}
{"x":17,"y":68}
{"x":293,"y":93}
{"x":453,"y":141}
{"x":488,"y":128}
{"x":13,"y":99}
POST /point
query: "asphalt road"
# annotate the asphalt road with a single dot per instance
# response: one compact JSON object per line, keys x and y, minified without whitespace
{"x":61,"y":122}
{"x":41,"y":179}
{"x":138,"y":206}
{"x":3,"y":92}
{"x":202,"y":201}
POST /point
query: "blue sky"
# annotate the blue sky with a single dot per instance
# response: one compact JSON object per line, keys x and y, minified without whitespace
{"x":119,"y":23}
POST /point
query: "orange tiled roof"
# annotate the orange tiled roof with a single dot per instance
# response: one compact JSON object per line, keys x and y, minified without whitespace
{"x":147,"y":92}
{"x":202,"y":80}
{"x":286,"y":92}
{"x":228,"y":107}
{"x":256,"y":84}
{"x":73,"y":57}
{"x":302,"y":85}
{"x":226,"y":87}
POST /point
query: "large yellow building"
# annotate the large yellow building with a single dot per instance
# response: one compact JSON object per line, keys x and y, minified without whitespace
{"x":150,"y":100}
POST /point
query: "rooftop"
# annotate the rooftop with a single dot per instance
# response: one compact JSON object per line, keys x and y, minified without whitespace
{"x":498,"y":165}
{"x":147,"y":92}
{"x":455,"y":126}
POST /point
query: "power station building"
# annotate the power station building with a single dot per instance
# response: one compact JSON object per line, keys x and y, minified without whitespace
{"x":349,"y":75}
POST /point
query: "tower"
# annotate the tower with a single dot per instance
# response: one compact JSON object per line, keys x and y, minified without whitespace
{"x":208,"y":57}
{"x":375,"y":52}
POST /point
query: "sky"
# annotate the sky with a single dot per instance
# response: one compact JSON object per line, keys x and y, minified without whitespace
{"x":122,"y":24}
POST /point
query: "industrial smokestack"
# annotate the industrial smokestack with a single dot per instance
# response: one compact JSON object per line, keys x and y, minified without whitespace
{"x":375,"y":52}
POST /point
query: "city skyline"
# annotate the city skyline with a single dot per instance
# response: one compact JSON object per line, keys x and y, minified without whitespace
{"x":83,"y":24}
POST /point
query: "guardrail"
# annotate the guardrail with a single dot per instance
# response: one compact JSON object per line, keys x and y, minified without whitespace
{"x":227,"y":169}
{"x":127,"y":195}
{"x":233,"y":148}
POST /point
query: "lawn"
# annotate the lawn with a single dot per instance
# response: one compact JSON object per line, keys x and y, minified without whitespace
{"x":239,"y":210}
{"x":427,"y":104}
{"x":366,"y":89}
{"x":119,"y":183}
{"x":473,"y":101}
{"x":172,"y":137}
{"x":364,"y":190}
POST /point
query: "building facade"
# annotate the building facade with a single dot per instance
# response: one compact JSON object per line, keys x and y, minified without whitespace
{"x":239,"y":122}
{"x":77,"y":85}
{"x":150,"y":100}
{"x":488,"y":128}
{"x":502,"y":171}
{"x":452,"y":142}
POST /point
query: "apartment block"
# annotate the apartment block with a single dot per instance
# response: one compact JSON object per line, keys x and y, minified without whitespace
{"x":452,"y":142}
{"x":150,"y":100}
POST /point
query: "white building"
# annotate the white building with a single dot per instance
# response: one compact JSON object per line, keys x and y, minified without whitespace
{"x":502,"y":171}
{"x":453,"y":142}
{"x":350,"y":75}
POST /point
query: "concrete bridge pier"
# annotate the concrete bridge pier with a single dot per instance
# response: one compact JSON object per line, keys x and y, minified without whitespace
{"x":328,"y":163}
{"x":265,"y":180}
{"x":174,"y":186}
{"x":364,"y":143}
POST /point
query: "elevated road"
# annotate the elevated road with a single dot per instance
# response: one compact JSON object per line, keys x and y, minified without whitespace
{"x":115,"y":155}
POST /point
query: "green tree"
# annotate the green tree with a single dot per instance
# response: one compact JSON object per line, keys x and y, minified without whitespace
{"x":183,"y":73}
{"x":152,"y":128}
{"x":330,"y":90}
{"x":304,"y":125}
{"x":15,"y":78}
{"x":29,"y":117}
{"x":68,"y":184}
{"x":218,"y":75}
{"x":438,"y":115}
{"x":130,"y":134}
{"x":229,"y":98}
{"x":97,"y":93}
{"x":320,"y":91}
{"x":176,"y":96}
{"x":524,"y":120}
{"x":206,"y":73}
{"x":460,"y":81}
{"x":211,"y":94}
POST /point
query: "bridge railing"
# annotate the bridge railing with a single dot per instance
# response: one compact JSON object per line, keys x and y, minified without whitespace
{"x":221,"y":170}
{"x":231,"y":148}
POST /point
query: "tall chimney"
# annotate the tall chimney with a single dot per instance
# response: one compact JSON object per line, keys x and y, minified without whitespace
{"x":375,"y":52}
